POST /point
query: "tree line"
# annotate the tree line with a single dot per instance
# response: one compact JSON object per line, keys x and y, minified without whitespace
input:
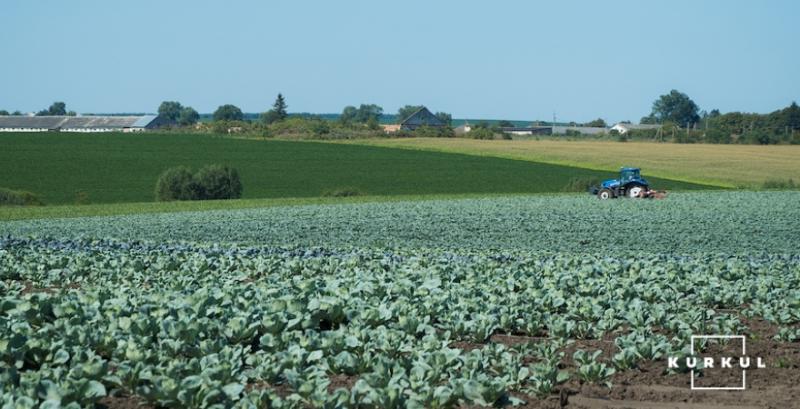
{"x":354,"y":121}
{"x":677,"y":111}
{"x":57,"y":108}
{"x":674,"y":110}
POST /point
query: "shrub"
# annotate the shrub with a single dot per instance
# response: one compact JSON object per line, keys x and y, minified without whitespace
{"x":717,"y":136}
{"x":10,"y":197}
{"x":433,"y":132}
{"x":217,"y":182}
{"x":212,"y":182}
{"x":177,"y":183}
{"x":581,"y":184}
{"x":319,"y":128}
{"x":760,"y":137}
{"x":347,"y":191}
{"x":481,"y":133}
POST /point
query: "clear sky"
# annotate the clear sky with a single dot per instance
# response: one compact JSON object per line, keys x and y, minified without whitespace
{"x":478,"y":59}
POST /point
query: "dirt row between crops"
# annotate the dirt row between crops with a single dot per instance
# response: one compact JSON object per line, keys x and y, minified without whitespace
{"x":776,"y":386}
{"x":649,"y":386}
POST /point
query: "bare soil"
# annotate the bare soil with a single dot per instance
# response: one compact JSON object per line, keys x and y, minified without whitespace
{"x":124,"y":402}
{"x":341,"y":381}
{"x":650,"y":386}
{"x":31,"y":288}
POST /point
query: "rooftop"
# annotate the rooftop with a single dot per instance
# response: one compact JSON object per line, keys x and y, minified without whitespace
{"x":75,"y":122}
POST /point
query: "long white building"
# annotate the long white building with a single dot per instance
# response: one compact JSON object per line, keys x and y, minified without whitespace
{"x":15,"y":123}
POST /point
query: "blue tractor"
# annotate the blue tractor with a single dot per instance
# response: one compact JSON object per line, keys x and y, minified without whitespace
{"x":630,"y":184}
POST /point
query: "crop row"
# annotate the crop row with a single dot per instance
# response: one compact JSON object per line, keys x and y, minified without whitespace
{"x":728,"y":222}
{"x":191,"y":325}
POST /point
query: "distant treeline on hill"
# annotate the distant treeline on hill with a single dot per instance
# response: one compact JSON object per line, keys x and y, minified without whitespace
{"x":674,"y":117}
{"x":384,"y":119}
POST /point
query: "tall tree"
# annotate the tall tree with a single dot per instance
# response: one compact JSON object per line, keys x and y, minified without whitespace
{"x":228,"y":112}
{"x":445,"y":117}
{"x":170,"y":110}
{"x":372,"y":123}
{"x":675,"y":107}
{"x":349,"y":114}
{"x":368,"y":111}
{"x":406,"y":111}
{"x":280,"y":107}
{"x":277,"y":113}
{"x":57,"y":108}
{"x":598,"y":123}
{"x":188,"y":116}
{"x":3,"y":112}
{"x":791,"y":116}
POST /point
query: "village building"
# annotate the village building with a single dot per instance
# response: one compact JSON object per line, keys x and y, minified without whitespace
{"x":423,"y":117}
{"x":527,"y":130}
{"x":583,"y":130}
{"x":462,"y":129}
{"x":623,"y":128}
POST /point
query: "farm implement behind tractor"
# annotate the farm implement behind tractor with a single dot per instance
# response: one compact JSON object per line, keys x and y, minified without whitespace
{"x":630,"y":184}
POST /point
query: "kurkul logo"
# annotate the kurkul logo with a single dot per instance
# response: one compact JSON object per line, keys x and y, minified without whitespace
{"x":743,"y":362}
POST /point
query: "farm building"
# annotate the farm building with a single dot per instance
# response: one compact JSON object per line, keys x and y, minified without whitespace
{"x":422,"y":117}
{"x":527,"y":130}
{"x":390,"y":128}
{"x":624,"y":128}
{"x":82,"y":123}
{"x":583,"y":130}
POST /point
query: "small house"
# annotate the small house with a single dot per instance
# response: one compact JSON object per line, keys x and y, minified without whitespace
{"x":423,"y":117}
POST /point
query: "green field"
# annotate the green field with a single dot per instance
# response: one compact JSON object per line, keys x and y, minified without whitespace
{"x":123,"y":168}
{"x":449,"y":304}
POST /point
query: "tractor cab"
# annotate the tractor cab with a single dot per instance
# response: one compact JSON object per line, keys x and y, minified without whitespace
{"x":629,"y":174}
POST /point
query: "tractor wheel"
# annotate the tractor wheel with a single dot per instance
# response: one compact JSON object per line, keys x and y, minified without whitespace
{"x":604,"y":194}
{"x":635,"y":191}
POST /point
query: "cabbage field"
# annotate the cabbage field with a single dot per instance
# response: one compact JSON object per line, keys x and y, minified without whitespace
{"x":528,"y":300}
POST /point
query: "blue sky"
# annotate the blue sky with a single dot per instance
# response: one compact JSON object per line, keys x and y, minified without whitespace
{"x":478,"y":59}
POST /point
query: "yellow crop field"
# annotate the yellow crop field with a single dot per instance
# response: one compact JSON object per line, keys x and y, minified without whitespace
{"x":722,"y":165}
